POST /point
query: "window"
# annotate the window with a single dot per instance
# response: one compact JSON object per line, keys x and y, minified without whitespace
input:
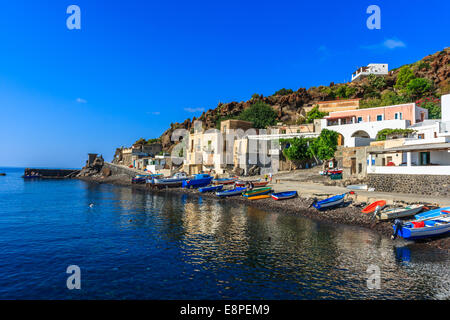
{"x":360,"y":119}
{"x":283,"y":131}
{"x":380,"y":117}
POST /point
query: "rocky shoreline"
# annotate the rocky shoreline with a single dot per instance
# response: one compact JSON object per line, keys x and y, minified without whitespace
{"x":347,"y":215}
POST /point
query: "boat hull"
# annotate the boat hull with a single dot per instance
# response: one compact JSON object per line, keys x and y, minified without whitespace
{"x":373,"y":206}
{"x":196,"y":183}
{"x":399,"y":212}
{"x":284,"y":195}
{"x":329,"y":203}
{"x":263,"y":196}
{"x":210,"y":189}
{"x":228,"y":193}
{"x":257,"y":192}
{"x":430,"y":230}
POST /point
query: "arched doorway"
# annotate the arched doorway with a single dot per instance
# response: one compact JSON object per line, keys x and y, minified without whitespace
{"x":360,"y":134}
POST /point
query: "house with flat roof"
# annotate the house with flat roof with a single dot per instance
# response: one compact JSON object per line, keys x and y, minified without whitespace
{"x":372,"y":68}
{"x":360,"y":127}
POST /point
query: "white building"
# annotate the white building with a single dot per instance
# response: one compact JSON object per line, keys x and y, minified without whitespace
{"x":427,"y":153}
{"x":372,"y":68}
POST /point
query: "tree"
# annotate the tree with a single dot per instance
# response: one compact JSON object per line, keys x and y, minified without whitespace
{"x":405,"y":75}
{"x":419,"y":87}
{"x":298,"y":149}
{"x":283,"y":92}
{"x":260,"y":114}
{"x":314,"y":113}
{"x":325,"y":145}
{"x":433,"y":106}
{"x":378,"y":82}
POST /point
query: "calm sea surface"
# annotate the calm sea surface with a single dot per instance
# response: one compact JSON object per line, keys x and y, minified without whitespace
{"x":132,"y":245}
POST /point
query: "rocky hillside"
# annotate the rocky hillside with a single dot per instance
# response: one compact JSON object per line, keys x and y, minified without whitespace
{"x":435,"y":67}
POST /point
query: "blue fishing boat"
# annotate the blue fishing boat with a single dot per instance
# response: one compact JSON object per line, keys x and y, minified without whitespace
{"x":284,"y":195}
{"x":421,"y":229}
{"x":329,"y":203}
{"x":232,"y":192}
{"x":200,"y":180}
{"x":210,"y":188}
{"x":432,"y":213}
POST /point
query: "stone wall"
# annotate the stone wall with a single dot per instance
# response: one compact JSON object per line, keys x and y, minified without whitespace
{"x":432,"y":185}
{"x":117,"y":169}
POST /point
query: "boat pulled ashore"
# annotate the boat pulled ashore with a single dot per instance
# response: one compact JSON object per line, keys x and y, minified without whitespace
{"x":256,"y":183}
{"x":284,"y":195}
{"x":199,"y":180}
{"x":232,"y":192}
{"x":175,"y":181}
{"x":399,"y":212}
{"x":210,"y":188}
{"x":420,"y":229}
{"x":224,"y":181}
{"x":257,"y":192}
{"x":329,"y":203}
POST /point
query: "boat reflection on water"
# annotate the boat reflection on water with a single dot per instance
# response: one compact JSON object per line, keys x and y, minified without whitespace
{"x":241,"y":252}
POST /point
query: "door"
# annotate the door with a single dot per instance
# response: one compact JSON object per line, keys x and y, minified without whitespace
{"x":353,"y":167}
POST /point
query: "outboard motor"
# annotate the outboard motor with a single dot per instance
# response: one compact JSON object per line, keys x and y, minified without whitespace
{"x":398,"y":225}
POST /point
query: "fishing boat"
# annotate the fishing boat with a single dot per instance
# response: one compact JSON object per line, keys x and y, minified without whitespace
{"x":373,"y":206}
{"x":419,"y":229}
{"x":399,"y":212}
{"x":232,"y":192}
{"x":258,"y":183}
{"x":432,"y":213}
{"x":257,"y":192}
{"x":140,"y":178}
{"x":200,"y":180}
{"x":262,"y":196}
{"x":210,"y":188}
{"x":176,"y":180}
{"x":284,"y":195}
{"x":329,"y":203}
{"x":357,"y":187}
{"x":224,"y":181}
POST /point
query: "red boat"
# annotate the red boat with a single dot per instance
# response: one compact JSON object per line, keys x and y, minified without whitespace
{"x":371,"y":207}
{"x":257,"y":183}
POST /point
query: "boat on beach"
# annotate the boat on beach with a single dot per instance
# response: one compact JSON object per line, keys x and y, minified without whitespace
{"x":210,"y":188}
{"x":284,"y":195}
{"x":420,"y":229}
{"x":176,"y":180}
{"x":399,"y":212}
{"x":255,"y":192}
{"x":224,"y":181}
{"x":432,"y":213}
{"x":329,"y":203}
{"x":262,"y":196}
{"x":200,"y":180}
{"x":373,"y":206}
{"x":232,"y":192}
{"x":256,"y":183}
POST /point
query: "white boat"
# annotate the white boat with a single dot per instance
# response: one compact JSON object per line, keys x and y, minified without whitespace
{"x":176,"y":180}
{"x":357,"y":187}
{"x":399,"y":212}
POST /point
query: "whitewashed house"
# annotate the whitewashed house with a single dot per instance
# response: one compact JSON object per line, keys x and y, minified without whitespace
{"x":427,"y":153}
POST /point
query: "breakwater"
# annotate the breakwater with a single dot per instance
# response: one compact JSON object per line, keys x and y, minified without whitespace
{"x":52,"y":173}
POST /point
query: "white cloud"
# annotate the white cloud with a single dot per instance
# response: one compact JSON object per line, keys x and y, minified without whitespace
{"x":156,"y":113}
{"x":79,"y":100}
{"x":389,"y":44}
{"x":393,"y":43}
{"x":193,"y":110}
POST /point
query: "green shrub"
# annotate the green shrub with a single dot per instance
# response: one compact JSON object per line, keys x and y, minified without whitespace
{"x":377,"y":82}
{"x":283,"y":92}
{"x":382,"y":134}
{"x":405,"y":75}
{"x":314,"y":113}
{"x":419,"y":87}
{"x":260,"y":114}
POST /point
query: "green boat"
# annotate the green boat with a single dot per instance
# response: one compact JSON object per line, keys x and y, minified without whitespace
{"x":257,"y":192}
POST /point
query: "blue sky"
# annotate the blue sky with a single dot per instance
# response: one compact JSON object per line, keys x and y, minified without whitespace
{"x":136,"y":66}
